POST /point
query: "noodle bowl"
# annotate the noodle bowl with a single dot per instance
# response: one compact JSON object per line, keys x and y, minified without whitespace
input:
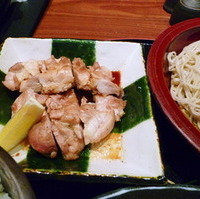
{"x":173,"y":69}
{"x":185,"y":80}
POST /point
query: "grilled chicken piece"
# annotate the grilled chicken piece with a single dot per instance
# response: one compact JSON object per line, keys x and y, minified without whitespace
{"x":64,"y":107}
{"x":99,"y":72}
{"x":43,"y":76}
{"x":81,"y":74}
{"x":20,"y":72}
{"x":24,"y":97}
{"x":21,"y":100}
{"x":87,"y":110}
{"x":33,"y":83}
{"x":101,"y":80}
{"x":95,"y":78}
{"x":64,"y":113}
{"x":106,"y":87}
{"x":99,"y":117}
{"x":66,"y":136}
{"x":107,"y":103}
{"x":58,"y":77}
{"x":41,"y":137}
{"x":97,"y":124}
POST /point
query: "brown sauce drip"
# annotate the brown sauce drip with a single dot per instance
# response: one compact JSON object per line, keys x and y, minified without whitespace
{"x":117,"y":77}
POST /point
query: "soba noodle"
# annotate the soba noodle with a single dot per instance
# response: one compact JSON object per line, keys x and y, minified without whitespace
{"x":185,"y":80}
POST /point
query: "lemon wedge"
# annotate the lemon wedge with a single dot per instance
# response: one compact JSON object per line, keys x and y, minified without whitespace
{"x":18,"y":126}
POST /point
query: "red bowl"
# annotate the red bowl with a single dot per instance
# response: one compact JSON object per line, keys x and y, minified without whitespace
{"x":172,"y":39}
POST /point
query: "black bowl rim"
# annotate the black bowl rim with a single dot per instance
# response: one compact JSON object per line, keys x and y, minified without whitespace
{"x":126,"y":190}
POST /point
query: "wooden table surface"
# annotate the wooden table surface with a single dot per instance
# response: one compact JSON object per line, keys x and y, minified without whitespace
{"x":103,"y":19}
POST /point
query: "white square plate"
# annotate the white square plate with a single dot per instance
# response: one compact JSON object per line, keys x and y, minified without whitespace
{"x":139,"y":158}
